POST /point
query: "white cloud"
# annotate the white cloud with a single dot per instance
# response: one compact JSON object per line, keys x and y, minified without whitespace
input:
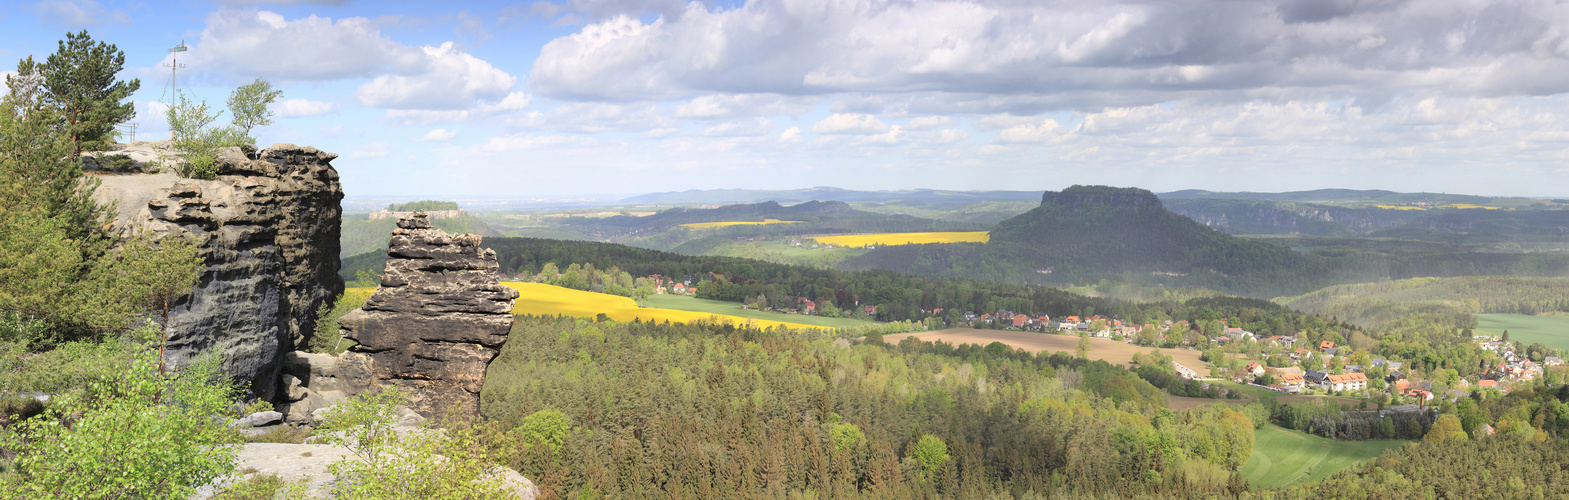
{"x":928,"y":122}
{"x":1045,"y":131}
{"x":77,"y":13}
{"x":842,"y":123}
{"x":482,"y":110}
{"x":951,"y":136}
{"x":737,"y":105}
{"x":372,"y":150}
{"x":438,"y":135}
{"x":264,"y":44}
{"x":753,"y":127}
{"x":448,"y":78}
{"x":301,"y":108}
{"x":790,"y":135}
{"x":894,"y":135}
{"x":1002,"y":121}
{"x":660,"y":133}
{"x":1057,"y":56}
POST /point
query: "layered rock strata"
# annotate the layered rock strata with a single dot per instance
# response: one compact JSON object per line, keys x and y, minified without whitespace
{"x":437,"y":320}
{"x":268,"y":228}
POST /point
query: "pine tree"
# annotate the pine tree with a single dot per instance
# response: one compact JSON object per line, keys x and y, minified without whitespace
{"x":79,"y":82}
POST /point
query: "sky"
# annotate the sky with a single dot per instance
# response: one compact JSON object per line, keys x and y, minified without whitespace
{"x":570,"y":98}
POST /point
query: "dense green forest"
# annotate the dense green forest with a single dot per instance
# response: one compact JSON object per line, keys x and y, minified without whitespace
{"x":1471,"y":294}
{"x":699,"y":411}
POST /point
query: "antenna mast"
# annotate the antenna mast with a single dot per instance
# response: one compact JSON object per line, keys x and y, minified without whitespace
{"x":174,"y":81}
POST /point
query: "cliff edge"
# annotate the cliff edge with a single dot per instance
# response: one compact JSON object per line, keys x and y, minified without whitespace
{"x":268,"y":229}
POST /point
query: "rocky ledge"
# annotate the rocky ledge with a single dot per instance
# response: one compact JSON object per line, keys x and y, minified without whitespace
{"x":437,"y":320}
{"x":268,"y":228}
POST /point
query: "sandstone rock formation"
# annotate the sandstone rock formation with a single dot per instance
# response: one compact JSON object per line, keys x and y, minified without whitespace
{"x":438,"y":318}
{"x":268,"y":229}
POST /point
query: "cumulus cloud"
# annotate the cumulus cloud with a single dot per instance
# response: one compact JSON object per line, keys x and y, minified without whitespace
{"x":951,"y":136}
{"x":1069,"y":57}
{"x":753,"y":127}
{"x":264,"y":44}
{"x":249,"y":44}
{"x":480,"y":111}
{"x":849,"y":123}
{"x":928,"y":122}
{"x":447,"y":79}
{"x":790,"y":135}
{"x":77,"y":13}
{"x":1045,"y":131}
{"x":438,"y":135}
{"x":301,"y":108}
{"x":735,"y":105}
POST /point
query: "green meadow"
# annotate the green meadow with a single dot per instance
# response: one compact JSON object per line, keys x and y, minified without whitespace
{"x":1551,"y":331}
{"x":1283,"y":457}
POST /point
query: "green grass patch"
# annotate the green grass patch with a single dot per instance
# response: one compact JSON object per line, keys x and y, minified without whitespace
{"x":1283,"y":457}
{"x":778,"y":251}
{"x":684,"y":303}
{"x":1551,"y":331}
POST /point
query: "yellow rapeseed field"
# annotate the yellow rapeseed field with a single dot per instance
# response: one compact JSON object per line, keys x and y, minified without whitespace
{"x":712,"y":225}
{"x":861,"y":240}
{"x":543,"y":299}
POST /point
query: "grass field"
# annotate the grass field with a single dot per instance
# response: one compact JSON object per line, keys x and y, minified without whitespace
{"x":712,"y":225}
{"x":861,"y":240}
{"x":1283,"y":457}
{"x":1551,"y":331}
{"x":684,"y":303}
{"x":539,"y":298}
{"x":1113,"y":352}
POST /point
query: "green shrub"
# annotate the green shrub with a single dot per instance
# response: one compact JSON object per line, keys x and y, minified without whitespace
{"x":263,"y":487}
{"x":130,"y":433}
{"x":427,"y":464}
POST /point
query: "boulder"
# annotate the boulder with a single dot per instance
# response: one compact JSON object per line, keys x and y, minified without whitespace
{"x":435,"y":323}
{"x":261,"y":418}
{"x":267,"y":228}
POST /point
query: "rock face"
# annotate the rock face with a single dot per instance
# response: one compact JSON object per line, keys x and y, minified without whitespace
{"x":268,"y":229}
{"x":438,"y":318}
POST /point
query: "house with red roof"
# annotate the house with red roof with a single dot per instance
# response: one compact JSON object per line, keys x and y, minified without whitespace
{"x":1346,"y":382}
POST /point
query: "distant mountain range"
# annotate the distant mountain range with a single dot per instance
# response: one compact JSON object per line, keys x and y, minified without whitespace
{"x":1086,"y":233}
{"x":925,"y":196}
{"x":939,"y":196}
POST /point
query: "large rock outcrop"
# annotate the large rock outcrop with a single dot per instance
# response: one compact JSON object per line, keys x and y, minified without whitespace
{"x":268,"y":229}
{"x":438,"y":318}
